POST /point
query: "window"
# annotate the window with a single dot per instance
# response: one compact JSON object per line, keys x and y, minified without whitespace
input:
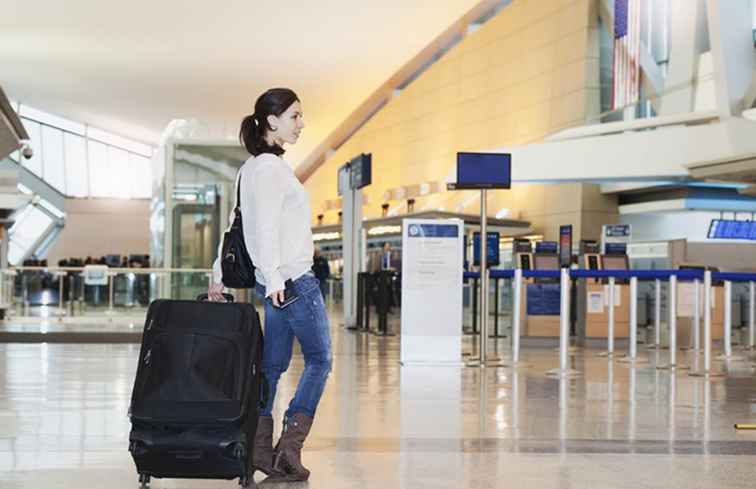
{"x":141,"y":169}
{"x":81,"y":161}
{"x":53,"y":167}
{"x":98,"y":169}
{"x":77,"y":176}
{"x":30,"y":225}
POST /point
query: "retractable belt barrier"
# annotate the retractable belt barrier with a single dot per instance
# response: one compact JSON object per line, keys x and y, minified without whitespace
{"x":672,"y":276}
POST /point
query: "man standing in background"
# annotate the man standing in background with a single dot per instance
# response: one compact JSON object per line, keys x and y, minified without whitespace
{"x":321,"y":270}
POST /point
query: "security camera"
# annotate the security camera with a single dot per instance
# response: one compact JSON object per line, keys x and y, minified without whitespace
{"x":27,"y":151}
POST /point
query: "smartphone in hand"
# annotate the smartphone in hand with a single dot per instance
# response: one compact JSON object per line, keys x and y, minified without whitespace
{"x":290,"y":296}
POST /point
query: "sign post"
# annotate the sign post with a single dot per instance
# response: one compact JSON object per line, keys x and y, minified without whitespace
{"x":352,"y":177}
{"x":483,"y":171}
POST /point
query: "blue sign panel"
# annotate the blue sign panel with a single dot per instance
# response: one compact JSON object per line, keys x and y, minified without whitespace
{"x":433,"y":231}
{"x":543,"y":300}
{"x":615,"y":248}
{"x":492,"y":249}
{"x":547,"y":247}
{"x":731,"y":229}
{"x":617,"y":231}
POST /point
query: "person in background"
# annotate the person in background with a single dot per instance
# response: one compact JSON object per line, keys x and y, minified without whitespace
{"x":321,"y":270}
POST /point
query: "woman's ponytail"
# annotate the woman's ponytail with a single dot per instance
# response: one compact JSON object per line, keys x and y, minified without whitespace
{"x":250,"y":134}
{"x":255,"y":126}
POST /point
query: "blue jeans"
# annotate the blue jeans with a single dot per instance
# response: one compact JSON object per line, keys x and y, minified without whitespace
{"x":306,"y":320}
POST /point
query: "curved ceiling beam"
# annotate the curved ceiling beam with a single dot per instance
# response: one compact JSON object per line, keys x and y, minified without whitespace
{"x":384,"y":93}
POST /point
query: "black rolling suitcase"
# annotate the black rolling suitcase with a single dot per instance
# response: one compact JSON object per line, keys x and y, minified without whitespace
{"x":197,"y":388}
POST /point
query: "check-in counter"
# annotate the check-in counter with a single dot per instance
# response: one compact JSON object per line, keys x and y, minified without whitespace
{"x":541,"y":301}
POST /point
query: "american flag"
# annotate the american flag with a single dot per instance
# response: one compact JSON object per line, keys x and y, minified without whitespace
{"x":626,"y":53}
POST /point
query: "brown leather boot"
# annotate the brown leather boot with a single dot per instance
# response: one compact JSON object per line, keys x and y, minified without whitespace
{"x":262,"y":456}
{"x":287,"y":459}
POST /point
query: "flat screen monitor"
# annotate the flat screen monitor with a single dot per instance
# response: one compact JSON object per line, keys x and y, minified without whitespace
{"x":615,"y":248}
{"x":484,"y":170}
{"x":522,"y":246}
{"x":546,"y":262}
{"x":361,"y":174}
{"x":492,"y":249}
{"x":593,"y":262}
{"x":547,"y":247}
{"x":614,"y":262}
{"x":525,"y":261}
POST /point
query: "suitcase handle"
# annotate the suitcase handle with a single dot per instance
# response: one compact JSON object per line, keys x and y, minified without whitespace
{"x":204,"y":297}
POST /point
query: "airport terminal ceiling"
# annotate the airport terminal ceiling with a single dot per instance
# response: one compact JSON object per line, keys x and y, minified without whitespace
{"x":333,"y":54}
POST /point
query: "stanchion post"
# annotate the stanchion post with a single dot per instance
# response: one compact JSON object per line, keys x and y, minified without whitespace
{"x":657,"y":313}
{"x":672,"y":321}
{"x":697,"y":315}
{"x":564,"y":326}
{"x":496,"y":308}
{"x":516,"y":315}
{"x":564,"y":319}
{"x":707,"y":321}
{"x":751,"y":313}
{"x":727,"y":340}
{"x":610,"y":318}
{"x":707,"y":372}
{"x":475,"y":305}
{"x":633,"y":317}
{"x":672,"y":306}
{"x":632,"y":356}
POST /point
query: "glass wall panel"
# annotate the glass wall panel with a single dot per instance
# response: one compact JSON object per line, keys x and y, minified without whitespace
{"x":53,"y":166}
{"x":98,"y":169}
{"x":141,"y":177}
{"x":120,"y":177}
{"x":77,"y":175}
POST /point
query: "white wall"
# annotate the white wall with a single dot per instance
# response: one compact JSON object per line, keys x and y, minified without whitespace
{"x":97,"y":227}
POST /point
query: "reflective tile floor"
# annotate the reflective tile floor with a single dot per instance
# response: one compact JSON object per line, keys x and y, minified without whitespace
{"x":63,"y":422}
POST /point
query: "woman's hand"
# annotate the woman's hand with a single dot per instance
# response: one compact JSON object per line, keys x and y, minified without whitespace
{"x":215,"y":293}
{"x":277,"y":297}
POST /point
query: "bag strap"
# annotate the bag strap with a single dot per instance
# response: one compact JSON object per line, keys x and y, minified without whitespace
{"x":237,"y":208}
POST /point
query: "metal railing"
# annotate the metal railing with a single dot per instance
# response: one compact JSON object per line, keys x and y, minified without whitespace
{"x":63,"y":292}
{"x":565,"y":277}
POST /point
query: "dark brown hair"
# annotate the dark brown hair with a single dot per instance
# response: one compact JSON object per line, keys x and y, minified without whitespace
{"x":254,"y":127}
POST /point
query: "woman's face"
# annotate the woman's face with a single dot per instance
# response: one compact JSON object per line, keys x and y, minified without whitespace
{"x":288,"y":125}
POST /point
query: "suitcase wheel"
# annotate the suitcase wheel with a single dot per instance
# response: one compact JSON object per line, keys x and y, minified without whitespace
{"x":244,"y":481}
{"x":144,"y":480}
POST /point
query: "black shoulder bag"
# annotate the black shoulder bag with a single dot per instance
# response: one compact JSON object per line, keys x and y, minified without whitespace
{"x":238,"y":271}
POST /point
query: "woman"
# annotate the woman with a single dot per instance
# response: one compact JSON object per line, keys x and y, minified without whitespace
{"x":276,"y":223}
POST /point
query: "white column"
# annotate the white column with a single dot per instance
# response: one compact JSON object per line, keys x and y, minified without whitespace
{"x":734,"y":59}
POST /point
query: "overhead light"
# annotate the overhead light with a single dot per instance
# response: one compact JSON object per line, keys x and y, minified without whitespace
{"x":379,"y":230}
{"x":503,"y":212}
{"x":326,"y":236}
